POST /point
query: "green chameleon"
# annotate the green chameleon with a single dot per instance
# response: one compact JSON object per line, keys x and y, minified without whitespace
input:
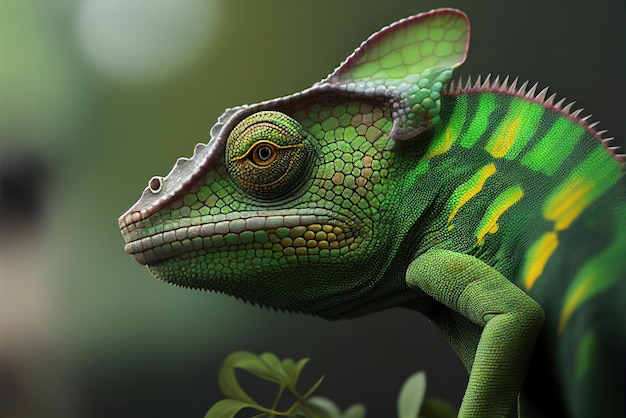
{"x":485,"y":206}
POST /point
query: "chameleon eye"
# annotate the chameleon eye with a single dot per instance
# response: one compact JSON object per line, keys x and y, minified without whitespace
{"x":263,"y":153}
{"x":267,"y":155}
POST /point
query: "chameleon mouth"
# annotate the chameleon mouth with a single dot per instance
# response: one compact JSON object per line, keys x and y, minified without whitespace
{"x":302,"y":233}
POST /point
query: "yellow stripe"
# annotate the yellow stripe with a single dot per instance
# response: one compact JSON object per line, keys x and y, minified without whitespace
{"x":537,"y":257}
{"x":573,"y":302}
{"x":471,"y":188}
{"x":505,"y":200}
{"x":589,"y":181}
{"x":565,"y":204}
{"x":598,"y":274}
{"x":568,"y":203}
{"x":441,"y":144}
{"x":500,"y":144}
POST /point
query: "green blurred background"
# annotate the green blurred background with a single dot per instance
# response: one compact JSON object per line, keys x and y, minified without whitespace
{"x":97,"y":96}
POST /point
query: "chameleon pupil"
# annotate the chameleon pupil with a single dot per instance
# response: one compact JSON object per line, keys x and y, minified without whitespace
{"x":263,"y":155}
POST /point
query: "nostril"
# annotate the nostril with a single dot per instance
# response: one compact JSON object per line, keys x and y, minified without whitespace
{"x":155,"y":184}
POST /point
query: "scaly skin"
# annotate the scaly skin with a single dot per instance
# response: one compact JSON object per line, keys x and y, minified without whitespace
{"x":486,"y":207}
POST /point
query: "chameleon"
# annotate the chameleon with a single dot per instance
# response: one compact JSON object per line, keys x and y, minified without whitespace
{"x":489,"y":206}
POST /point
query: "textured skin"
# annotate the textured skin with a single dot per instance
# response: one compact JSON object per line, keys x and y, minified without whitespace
{"x":486,"y":207}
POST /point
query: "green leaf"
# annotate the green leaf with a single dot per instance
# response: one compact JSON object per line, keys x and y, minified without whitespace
{"x":288,"y":366}
{"x":267,"y":367}
{"x":355,"y":411}
{"x":325,"y":406}
{"x":275,"y":367}
{"x":270,"y":370}
{"x":227,"y":408}
{"x":313,"y":388}
{"x":412,"y":395}
{"x":437,"y":408}
{"x":294,"y":373}
{"x":228,"y":381}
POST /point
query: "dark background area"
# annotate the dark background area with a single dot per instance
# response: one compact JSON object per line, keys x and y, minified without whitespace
{"x":97,"y":96}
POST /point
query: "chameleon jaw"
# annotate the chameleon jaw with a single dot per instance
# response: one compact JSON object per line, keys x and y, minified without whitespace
{"x":304,"y":233}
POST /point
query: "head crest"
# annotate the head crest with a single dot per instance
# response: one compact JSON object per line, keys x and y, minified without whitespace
{"x":408,"y":62}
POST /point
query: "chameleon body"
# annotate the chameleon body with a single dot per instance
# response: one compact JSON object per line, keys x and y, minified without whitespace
{"x":491,"y":208}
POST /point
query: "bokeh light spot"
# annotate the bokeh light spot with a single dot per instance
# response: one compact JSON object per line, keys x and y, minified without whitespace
{"x":144,"y":41}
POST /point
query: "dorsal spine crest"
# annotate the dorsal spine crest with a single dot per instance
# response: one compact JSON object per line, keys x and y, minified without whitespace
{"x":487,"y":85}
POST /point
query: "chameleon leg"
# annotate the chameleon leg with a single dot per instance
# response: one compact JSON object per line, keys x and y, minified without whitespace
{"x":510,"y":321}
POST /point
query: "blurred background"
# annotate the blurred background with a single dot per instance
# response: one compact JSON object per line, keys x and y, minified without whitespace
{"x":97,"y":96}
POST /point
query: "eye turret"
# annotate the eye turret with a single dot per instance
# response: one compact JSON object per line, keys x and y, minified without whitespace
{"x":268,"y":154}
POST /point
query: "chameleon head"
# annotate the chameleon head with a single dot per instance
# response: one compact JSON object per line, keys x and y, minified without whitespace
{"x":288,"y":200}
{"x":247,"y":212}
